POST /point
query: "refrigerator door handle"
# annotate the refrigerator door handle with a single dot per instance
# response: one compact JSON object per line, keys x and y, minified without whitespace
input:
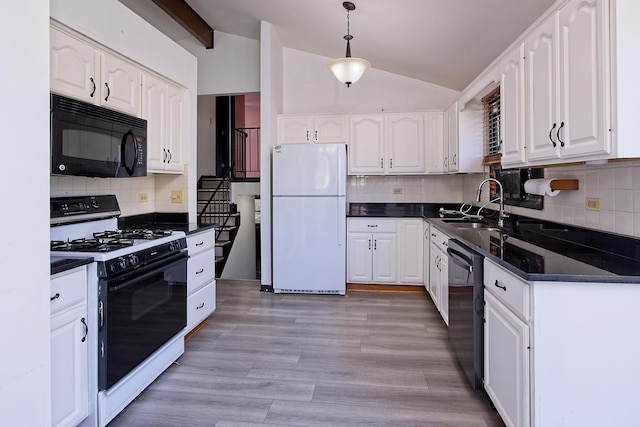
{"x":340,"y":220}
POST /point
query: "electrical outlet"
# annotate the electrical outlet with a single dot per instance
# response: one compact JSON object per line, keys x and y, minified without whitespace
{"x":397,"y":190}
{"x":176,"y":196}
{"x":143,"y":197}
{"x":592,"y":203}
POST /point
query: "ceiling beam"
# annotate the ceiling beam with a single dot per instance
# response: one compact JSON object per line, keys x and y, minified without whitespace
{"x":184,"y":15}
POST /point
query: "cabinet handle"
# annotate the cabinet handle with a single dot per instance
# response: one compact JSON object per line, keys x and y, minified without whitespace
{"x":307,"y":135}
{"x":108,"y":91}
{"x":498,"y":285}
{"x":101,"y":313}
{"x":454,"y":159}
{"x":375,"y":244}
{"x":93,"y":91}
{"x":372,"y":225}
{"x":164,"y":155}
{"x":369,"y":244}
{"x":170,"y":156}
{"x":56,"y":296}
{"x":390,"y":163}
{"x":86,"y":330}
{"x":446,"y":162}
{"x":200,"y":244}
{"x":445,"y":243}
{"x":433,"y":234}
{"x":551,"y":135}
{"x":200,"y":306}
{"x":558,"y":134}
{"x":200,"y":271}
{"x":381,"y":163}
{"x":316,"y":134}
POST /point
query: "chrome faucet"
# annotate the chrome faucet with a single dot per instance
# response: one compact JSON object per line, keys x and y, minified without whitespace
{"x":502,"y":214}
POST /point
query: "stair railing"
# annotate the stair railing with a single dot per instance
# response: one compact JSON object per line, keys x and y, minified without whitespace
{"x":226,"y":179}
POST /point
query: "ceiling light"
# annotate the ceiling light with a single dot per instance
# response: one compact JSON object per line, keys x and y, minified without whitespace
{"x":348,"y":70}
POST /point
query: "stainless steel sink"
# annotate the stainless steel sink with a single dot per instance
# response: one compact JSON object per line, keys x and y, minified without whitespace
{"x":457,"y":223}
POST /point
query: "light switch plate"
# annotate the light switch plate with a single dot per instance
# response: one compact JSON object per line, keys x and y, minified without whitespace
{"x":397,"y":190}
{"x":592,"y":203}
{"x":176,"y":196}
{"x":143,"y":197}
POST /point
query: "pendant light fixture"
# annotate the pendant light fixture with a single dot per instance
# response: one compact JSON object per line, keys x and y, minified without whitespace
{"x":348,"y":69}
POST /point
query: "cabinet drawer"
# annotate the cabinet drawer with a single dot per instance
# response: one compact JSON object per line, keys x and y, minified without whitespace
{"x":440,"y":239}
{"x":200,"y":305}
{"x":68,"y":288}
{"x":508,"y":288}
{"x":200,"y":270}
{"x":373,"y":225}
{"x":200,"y":241}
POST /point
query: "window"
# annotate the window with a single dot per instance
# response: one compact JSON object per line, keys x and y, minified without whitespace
{"x":491,"y":127}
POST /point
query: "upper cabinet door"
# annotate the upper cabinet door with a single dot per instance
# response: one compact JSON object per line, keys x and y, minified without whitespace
{"x":74,"y":68}
{"x":121,"y":85}
{"x":583,"y":75}
{"x":541,"y":54}
{"x":154,"y":111}
{"x":435,"y":142}
{"x":294,"y":129}
{"x":405,"y":138}
{"x":452,"y":149}
{"x":176,"y":116}
{"x":512,"y":107}
{"x":366,"y":144}
{"x":330,"y":129}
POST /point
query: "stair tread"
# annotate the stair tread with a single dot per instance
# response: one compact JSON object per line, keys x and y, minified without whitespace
{"x":220,"y":243}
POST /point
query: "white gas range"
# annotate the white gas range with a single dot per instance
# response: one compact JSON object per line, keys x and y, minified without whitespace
{"x":139,"y":293}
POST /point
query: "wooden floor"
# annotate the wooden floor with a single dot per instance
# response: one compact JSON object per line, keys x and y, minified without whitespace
{"x":364,"y":359}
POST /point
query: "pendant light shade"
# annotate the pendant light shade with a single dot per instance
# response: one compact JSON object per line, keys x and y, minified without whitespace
{"x":348,"y":69}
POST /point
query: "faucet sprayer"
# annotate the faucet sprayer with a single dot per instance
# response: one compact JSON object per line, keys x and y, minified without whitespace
{"x":501,"y":214}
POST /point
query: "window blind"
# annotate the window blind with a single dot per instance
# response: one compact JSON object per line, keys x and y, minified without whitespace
{"x":491,"y":126}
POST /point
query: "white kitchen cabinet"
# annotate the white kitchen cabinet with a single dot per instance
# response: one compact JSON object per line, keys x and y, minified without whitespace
{"x":371,"y":250}
{"x":405,"y":143}
{"x":410,"y":250}
{"x":512,"y":108}
{"x":567,"y":84}
{"x":426,"y":249}
{"x":435,"y":142}
{"x":366,"y":145}
{"x":82,"y":71}
{"x":506,"y":344}
{"x":451,"y":151}
{"x":201,"y":283}
{"x":386,"y":144}
{"x":163,"y":107}
{"x":312,"y":129}
{"x":439,"y":272}
{"x":69,"y":348}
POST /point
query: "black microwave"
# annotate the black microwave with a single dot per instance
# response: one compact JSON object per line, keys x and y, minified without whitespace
{"x":88,"y":140}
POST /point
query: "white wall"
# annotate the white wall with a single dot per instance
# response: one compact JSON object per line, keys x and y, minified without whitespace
{"x":123,"y":31}
{"x":311,"y":88}
{"x":231,"y":67}
{"x":24,"y":294}
{"x":271,"y":88}
{"x":206,"y":135}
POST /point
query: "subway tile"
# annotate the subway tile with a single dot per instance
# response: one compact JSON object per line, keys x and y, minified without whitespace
{"x":624,"y":223}
{"x":623,"y":178}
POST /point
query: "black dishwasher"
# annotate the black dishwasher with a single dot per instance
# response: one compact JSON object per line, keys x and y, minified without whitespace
{"x":466,"y":299}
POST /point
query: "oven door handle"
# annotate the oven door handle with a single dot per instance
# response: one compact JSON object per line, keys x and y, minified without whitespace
{"x":124,"y":281}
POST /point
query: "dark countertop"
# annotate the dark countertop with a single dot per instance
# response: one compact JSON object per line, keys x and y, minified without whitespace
{"x":398,"y":210}
{"x":60,"y":264}
{"x":533,"y":249}
{"x":161,"y":220}
{"x":544,"y":251}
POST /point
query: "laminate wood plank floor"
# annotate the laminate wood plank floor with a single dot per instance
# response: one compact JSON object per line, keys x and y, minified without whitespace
{"x":364,"y":359}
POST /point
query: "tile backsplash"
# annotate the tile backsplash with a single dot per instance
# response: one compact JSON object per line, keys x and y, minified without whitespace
{"x":405,"y":189}
{"x":156,"y":187}
{"x":616,"y":184}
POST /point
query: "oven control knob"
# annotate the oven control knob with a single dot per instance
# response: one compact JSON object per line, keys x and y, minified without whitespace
{"x":123,"y":263}
{"x":133,"y":259}
{"x":94,"y":204}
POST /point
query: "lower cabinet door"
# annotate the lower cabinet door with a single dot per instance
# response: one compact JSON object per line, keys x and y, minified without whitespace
{"x":200,"y":305}
{"x":69,"y":375}
{"x":359,"y":257}
{"x":384,"y":258}
{"x":506,"y":362}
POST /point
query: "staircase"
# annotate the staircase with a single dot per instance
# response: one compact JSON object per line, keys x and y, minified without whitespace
{"x":215,"y":207}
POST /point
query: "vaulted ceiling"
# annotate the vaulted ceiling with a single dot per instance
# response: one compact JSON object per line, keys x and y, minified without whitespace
{"x":445,"y":42}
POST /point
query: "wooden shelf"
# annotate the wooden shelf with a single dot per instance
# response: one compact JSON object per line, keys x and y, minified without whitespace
{"x":565,"y":184}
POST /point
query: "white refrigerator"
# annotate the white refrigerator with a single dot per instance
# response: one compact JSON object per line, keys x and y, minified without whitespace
{"x":309,"y":218}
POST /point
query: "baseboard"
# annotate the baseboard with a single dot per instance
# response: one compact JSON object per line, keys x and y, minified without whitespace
{"x":195,"y":330}
{"x":372,"y":287}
